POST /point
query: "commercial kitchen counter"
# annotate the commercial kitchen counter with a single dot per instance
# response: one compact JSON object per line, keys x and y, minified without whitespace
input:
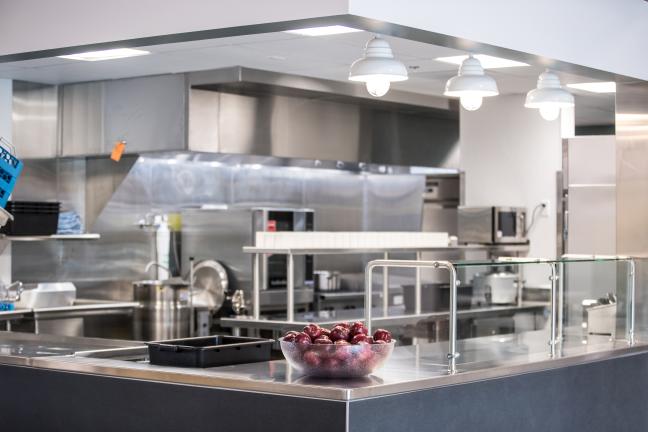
{"x":503,"y":383}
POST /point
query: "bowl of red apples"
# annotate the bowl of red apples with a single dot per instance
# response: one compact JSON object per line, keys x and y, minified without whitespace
{"x":345,"y":351}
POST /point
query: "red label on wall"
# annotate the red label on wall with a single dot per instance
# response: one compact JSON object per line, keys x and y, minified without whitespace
{"x":272,"y":226}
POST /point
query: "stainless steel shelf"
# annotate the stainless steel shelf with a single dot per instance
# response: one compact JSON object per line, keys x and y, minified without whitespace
{"x":87,"y":236}
{"x":14,"y":314}
{"x":333,"y":251}
{"x":81,"y":308}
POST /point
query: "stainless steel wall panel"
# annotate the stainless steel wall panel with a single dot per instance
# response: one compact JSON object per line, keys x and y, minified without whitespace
{"x":254,"y":185}
{"x":394,"y":201}
{"x":204,"y":108}
{"x":149,"y":113}
{"x":632,"y":167}
{"x":632,"y":182}
{"x":82,"y":119}
{"x":35,"y":120}
{"x":338,"y":199}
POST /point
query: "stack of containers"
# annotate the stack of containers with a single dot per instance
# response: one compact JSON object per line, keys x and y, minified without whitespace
{"x":32,"y":218}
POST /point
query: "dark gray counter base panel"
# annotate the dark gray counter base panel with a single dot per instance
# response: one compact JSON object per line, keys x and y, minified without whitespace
{"x":42,"y":400}
{"x":610,"y":395}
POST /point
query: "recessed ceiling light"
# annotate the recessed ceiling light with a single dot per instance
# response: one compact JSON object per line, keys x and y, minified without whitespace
{"x":110,"y":54}
{"x":487,"y":62}
{"x":323,"y":31}
{"x":595,"y":87}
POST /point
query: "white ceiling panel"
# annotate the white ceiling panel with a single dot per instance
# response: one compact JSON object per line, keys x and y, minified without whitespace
{"x":325,"y":57}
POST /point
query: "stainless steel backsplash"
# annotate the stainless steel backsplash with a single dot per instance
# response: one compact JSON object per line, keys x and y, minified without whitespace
{"x":112,"y":199}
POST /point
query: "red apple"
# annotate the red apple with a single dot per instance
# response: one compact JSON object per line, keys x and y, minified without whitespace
{"x":311,"y":359}
{"x":313,"y":330}
{"x":380,"y":342}
{"x":346,"y":325}
{"x":382,"y":334}
{"x":303,"y":339}
{"x":323,"y":340}
{"x":339,"y":333}
{"x":290,"y":336}
{"x":326,"y":332}
{"x":342,"y":342}
{"x":360,"y":339}
{"x":331,"y":364}
{"x":358,"y":328}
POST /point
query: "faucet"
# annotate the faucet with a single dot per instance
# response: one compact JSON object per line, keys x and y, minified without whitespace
{"x":152,"y":264}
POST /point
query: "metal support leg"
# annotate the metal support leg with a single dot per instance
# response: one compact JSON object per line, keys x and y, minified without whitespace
{"x":417,"y":287}
{"x":256,"y":286}
{"x":560,"y":304}
{"x":385,"y":287}
{"x":630,"y":314}
{"x":554,"y":309}
{"x":8,"y":326}
{"x":192,"y":310}
{"x":290,"y":288}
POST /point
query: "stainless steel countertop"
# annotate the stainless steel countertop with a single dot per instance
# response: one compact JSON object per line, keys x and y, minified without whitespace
{"x":21,"y":348}
{"x":410,"y":368}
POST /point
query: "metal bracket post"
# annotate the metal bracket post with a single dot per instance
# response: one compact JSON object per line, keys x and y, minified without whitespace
{"x":417,"y":287}
{"x":630,"y":314}
{"x":385,"y":293}
{"x":452,"y":326}
{"x":554,"y":309}
{"x":290,"y":288}
{"x":256,"y":302}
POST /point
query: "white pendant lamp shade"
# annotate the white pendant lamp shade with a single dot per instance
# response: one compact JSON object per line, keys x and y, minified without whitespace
{"x":378,"y":68}
{"x":549,"y":96}
{"x":471,"y":84}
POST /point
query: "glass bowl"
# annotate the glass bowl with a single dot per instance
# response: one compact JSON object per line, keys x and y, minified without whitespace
{"x":336,"y":361}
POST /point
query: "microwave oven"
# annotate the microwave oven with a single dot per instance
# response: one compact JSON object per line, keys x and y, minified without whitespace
{"x":492,"y":225}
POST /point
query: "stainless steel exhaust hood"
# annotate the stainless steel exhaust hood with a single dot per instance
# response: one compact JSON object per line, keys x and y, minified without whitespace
{"x":244,"y":111}
{"x":250,"y":112}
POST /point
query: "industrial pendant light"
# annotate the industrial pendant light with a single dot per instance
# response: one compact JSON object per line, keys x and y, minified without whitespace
{"x":471,"y":84}
{"x":378,"y":68}
{"x":549,"y":96}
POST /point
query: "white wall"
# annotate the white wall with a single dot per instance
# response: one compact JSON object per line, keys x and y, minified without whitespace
{"x":5,"y":108}
{"x":510,"y":157}
{"x":6,"y":104}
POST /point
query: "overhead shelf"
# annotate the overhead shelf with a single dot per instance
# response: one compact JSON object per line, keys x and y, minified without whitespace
{"x":334,"y":251}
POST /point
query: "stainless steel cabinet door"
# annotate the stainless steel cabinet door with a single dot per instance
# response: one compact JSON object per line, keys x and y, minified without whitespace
{"x":149,"y":113}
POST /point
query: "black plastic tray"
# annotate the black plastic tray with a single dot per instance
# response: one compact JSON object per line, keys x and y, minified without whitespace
{"x":209,"y":351}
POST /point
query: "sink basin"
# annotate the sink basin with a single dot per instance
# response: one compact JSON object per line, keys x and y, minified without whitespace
{"x":48,"y":295}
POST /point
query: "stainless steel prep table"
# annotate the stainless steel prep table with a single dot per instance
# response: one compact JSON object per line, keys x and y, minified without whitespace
{"x":80,"y":309}
{"x":502,"y":380}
